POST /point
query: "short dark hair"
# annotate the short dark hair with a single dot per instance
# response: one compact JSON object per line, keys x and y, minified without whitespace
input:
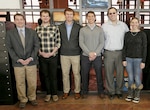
{"x":110,"y":9}
{"x":69,"y":9}
{"x":45,"y":11}
{"x":18,"y":14}
{"x":92,"y":12}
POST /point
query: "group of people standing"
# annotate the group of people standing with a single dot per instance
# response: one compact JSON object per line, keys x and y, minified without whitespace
{"x":79,"y":48}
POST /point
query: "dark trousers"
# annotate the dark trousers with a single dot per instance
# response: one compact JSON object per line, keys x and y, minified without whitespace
{"x":48,"y":68}
{"x":85,"y":69}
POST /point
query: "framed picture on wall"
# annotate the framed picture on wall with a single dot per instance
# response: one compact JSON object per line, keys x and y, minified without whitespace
{"x":58,"y":16}
{"x":95,"y":4}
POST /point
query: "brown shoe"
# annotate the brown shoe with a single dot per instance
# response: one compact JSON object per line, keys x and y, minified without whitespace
{"x":76,"y":95}
{"x":102,"y":96}
{"x":65,"y":95}
{"x":34,"y":102}
{"x":22,"y":104}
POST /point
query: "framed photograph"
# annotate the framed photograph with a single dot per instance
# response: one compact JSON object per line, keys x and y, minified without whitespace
{"x":58,"y":16}
{"x":95,"y":4}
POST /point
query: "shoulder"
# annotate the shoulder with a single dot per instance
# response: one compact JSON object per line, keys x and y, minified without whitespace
{"x":127,"y":33}
{"x":29,"y":29}
{"x":53,"y":27}
{"x":105,"y":25}
{"x":143,"y":33}
{"x":77,"y":24}
{"x":84,"y":27}
{"x":38,"y":28}
{"x":98,"y":27}
{"x":62,"y":24}
{"x":122,"y":23}
{"x":14,"y":30}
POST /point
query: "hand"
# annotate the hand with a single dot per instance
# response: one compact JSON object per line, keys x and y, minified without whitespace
{"x":27,"y":61}
{"x":45,"y":55}
{"x":142,"y":65}
{"x":92,"y":56}
{"x":124,"y":63}
{"x":22,"y":61}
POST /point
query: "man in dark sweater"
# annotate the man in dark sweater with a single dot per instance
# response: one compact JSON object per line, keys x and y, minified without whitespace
{"x":70,"y":53}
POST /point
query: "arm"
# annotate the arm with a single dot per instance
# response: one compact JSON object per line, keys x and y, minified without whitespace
{"x":35,"y":49}
{"x":144,"y":49}
{"x":10,"y":48}
{"x":81,"y":42}
{"x":57,"y":42}
{"x":124,"y":52}
{"x":101,"y":44}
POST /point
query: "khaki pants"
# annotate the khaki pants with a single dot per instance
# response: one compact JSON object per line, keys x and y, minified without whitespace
{"x":23,"y":74}
{"x":66,"y":63}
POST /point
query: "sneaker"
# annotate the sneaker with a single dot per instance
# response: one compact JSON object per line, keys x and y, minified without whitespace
{"x":55,"y":98}
{"x":129,"y":98}
{"x":136,"y":100}
{"x":47,"y":98}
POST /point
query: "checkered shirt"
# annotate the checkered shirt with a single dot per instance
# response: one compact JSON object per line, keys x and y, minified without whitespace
{"x":49,"y":37}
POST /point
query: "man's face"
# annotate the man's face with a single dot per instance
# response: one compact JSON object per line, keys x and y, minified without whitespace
{"x":19,"y":21}
{"x":112,"y":15}
{"x":45,"y":17}
{"x":69,"y":16}
{"x":91,"y":18}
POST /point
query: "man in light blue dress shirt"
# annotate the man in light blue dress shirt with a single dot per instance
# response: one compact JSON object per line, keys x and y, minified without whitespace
{"x":114,"y":31}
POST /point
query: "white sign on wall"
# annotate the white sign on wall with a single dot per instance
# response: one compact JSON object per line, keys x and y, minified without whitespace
{"x":9,"y":4}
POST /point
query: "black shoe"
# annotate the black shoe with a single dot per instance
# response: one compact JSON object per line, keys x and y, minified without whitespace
{"x":119,"y":96}
{"x":84,"y":96}
{"x":111,"y":96}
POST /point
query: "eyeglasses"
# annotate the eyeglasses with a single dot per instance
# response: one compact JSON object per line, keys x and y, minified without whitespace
{"x":112,"y":13}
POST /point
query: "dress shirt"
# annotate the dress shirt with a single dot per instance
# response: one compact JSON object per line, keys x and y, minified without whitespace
{"x":114,"y":35}
{"x":68,"y":27}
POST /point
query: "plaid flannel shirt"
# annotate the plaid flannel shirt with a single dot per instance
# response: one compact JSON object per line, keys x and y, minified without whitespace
{"x":49,"y":37}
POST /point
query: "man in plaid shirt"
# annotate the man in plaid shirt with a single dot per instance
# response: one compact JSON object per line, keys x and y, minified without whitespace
{"x":49,"y":38}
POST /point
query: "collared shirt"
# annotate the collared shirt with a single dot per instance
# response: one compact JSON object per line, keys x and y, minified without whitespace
{"x":69,"y":27}
{"x":91,"y":27}
{"x":49,"y":37}
{"x":23,"y":30}
{"x":114,"y":35}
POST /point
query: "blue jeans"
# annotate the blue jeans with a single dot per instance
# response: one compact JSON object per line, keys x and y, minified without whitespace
{"x":134,"y":71}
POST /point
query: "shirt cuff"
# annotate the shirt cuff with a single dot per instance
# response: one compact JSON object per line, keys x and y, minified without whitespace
{"x":31,"y":58}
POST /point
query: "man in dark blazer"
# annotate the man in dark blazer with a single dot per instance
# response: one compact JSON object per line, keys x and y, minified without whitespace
{"x":70,"y":53}
{"x":23,"y":46}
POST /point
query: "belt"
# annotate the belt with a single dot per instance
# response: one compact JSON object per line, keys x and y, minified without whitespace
{"x":112,"y":50}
